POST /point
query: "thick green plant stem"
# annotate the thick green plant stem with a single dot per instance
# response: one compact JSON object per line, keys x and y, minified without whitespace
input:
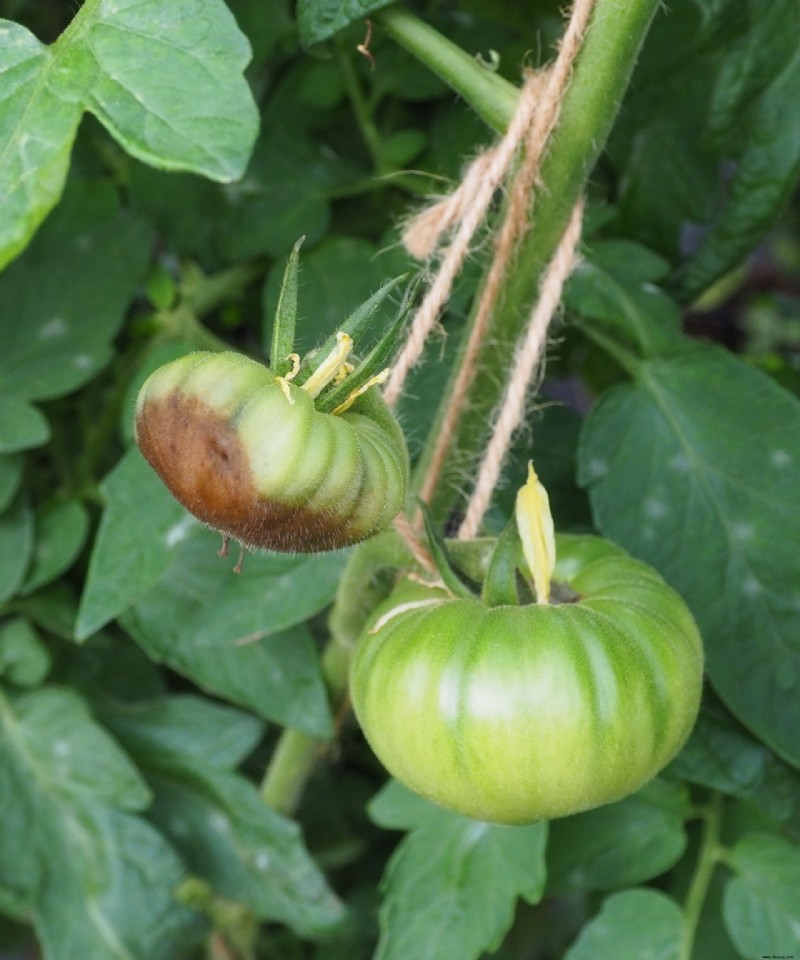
{"x":493,"y":98}
{"x":296,"y":753}
{"x":600,"y":77}
{"x":707,"y":859}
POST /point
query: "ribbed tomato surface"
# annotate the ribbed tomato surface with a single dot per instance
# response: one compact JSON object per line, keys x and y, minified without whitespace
{"x":515,"y":714}
{"x":268,"y":470}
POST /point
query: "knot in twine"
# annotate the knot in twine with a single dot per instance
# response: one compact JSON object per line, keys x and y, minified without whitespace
{"x":515,"y":162}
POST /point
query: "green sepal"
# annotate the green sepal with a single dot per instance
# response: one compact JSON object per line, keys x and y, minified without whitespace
{"x":355,"y":326}
{"x":500,"y":585}
{"x":375,"y":361}
{"x":450,"y":578}
{"x":286,"y":316}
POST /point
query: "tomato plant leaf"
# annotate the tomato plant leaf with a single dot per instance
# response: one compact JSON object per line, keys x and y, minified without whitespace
{"x":16,"y":547}
{"x":722,"y":755}
{"x":691,"y":468}
{"x":615,"y":288}
{"x":319,"y":20}
{"x":760,"y":905}
{"x":242,"y":637}
{"x":185,"y":725}
{"x":22,"y":426}
{"x":24,"y":658}
{"x":703,"y":177}
{"x":451,"y":886}
{"x":284,"y":195}
{"x":764,"y":176}
{"x":632,"y":925}
{"x":163,"y":76}
{"x":69,"y":294}
{"x":139,"y":533}
{"x":97,"y":880}
{"x":10,"y":476}
{"x":217,"y":820}
{"x":620,"y":844}
{"x":60,"y":531}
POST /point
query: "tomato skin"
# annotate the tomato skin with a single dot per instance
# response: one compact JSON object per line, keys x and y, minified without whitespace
{"x":516,"y":714}
{"x":270,"y":473}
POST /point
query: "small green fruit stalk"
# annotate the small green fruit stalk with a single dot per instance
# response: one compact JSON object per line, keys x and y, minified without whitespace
{"x":302,"y":456}
{"x":529,"y":702}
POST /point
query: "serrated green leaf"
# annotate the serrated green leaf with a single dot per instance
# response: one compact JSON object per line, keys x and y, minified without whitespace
{"x":634,"y":925}
{"x":242,"y":637}
{"x":766,"y":171}
{"x":760,"y":905}
{"x":139,"y":534}
{"x":285,"y":194}
{"x":703,"y":177}
{"x":24,"y":659}
{"x":165,"y":78}
{"x":16,"y":547}
{"x":61,"y":530}
{"x":51,"y":733}
{"x":615,"y":287}
{"x":693,"y":469}
{"x":22,"y":426}
{"x":451,"y":887}
{"x":621,"y":844}
{"x":220,"y":823}
{"x":65,"y":299}
{"x":97,"y":880}
{"x":185,"y":726}
{"x":319,"y":20}
{"x":10,"y":476}
{"x":722,"y":755}
{"x":395,"y":807}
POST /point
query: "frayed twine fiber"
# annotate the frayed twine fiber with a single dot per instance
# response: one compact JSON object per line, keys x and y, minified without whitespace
{"x":515,"y":159}
{"x":528,"y":366}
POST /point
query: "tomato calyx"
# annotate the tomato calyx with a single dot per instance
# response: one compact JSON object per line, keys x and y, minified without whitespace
{"x":521,"y":562}
{"x":327,"y":374}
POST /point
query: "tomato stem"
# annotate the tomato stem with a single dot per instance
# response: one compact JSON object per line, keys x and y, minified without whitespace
{"x":297,"y":753}
{"x":600,"y":77}
{"x":708,"y":857}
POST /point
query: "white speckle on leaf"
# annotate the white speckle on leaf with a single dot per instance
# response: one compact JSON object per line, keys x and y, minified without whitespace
{"x":54,"y":329}
{"x":655,"y":509}
{"x":680,"y":463}
{"x":61,"y":748}
{"x":751,"y":586}
{"x":82,"y":361}
{"x":779,"y":458}
{"x":179,"y":531}
{"x":219,"y":822}
{"x":262,"y":860}
{"x":597,"y":468}
{"x":742,"y":532}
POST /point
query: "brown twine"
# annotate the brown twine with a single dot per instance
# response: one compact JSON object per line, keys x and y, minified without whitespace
{"x":467,"y":206}
{"x":534,"y":119}
{"x":527,"y":362}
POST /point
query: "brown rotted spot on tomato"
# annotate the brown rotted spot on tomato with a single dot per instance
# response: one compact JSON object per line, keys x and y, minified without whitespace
{"x":202,"y":461}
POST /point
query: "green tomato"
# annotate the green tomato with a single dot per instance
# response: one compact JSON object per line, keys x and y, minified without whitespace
{"x":513,"y":714}
{"x":251,"y":456}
